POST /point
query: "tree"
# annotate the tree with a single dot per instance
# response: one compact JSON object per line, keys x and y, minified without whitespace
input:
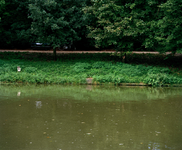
{"x":2,"y":3}
{"x":119,"y":24}
{"x":168,"y":27}
{"x":58,"y":22}
{"x":14,"y":24}
{"x":137,"y":24}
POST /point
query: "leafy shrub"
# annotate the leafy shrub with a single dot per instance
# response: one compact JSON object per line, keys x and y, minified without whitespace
{"x":161,"y":79}
{"x":119,"y":79}
{"x":143,"y":68}
{"x":132,"y":71}
{"x":76,"y":70}
{"x":154,"y":79}
{"x":30,"y":69}
{"x":80,"y":67}
{"x":156,"y":70}
{"x":98,"y":64}
{"x":1,"y":70}
{"x":2,"y":62}
{"x":165,"y":70}
{"x":93,"y":72}
{"x":7,"y":69}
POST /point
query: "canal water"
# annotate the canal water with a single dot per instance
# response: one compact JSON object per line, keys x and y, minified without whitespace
{"x":61,"y":117}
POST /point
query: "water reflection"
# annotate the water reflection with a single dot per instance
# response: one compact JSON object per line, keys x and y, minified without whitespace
{"x":19,"y":93}
{"x":154,"y":146}
{"x":38,"y":104}
{"x":69,"y":121}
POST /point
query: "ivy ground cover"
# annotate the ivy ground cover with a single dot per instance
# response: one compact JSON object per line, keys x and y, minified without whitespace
{"x":75,"y":68}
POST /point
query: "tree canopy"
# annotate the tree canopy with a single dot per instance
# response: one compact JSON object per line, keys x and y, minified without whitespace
{"x":14,"y":24}
{"x":57,"y":22}
{"x":167,"y":27}
{"x":136,"y":24}
{"x":150,"y":25}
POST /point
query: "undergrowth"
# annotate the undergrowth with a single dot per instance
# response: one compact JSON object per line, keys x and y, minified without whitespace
{"x":74,"y":69}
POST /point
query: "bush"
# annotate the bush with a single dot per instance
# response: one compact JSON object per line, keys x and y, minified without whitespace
{"x":156,"y":70}
{"x":100,"y":64}
{"x":80,"y":67}
{"x":2,"y":62}
{"x":161,"y":79}
{"x":75,"y":71}
{"x":30,"y":69}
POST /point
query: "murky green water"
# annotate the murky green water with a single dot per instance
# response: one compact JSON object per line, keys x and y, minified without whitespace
{"x":90,"y":118}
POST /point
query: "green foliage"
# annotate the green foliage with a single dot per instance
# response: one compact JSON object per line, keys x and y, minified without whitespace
{"x":2,"y":3}
{"x":30,"y":69}
{"x":2,"y":62}
{"x":168,"y":27}
{"x":126,"y":27}
{"x":111,"y":78}
{"x":81,"y":67}
{"x":74,"y":69}
{"x":156,"y":70}
{"x":161,"y":79}
{"x":101,"y":64}
{"x":57,"y":22}
{"x":14,"y":24}
{"x":121,"y":25}
{"x":98,"y":64}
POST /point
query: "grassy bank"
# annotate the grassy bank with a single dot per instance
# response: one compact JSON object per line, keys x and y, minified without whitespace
{"x":75,"y":68}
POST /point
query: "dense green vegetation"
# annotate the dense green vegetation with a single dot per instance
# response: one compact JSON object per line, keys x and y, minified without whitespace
{"x":150,"y":25}
{"x":14,"y":24}
{"x":57,"y":22}
{"x":137,"y":24}
{"x":75,"y":68}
